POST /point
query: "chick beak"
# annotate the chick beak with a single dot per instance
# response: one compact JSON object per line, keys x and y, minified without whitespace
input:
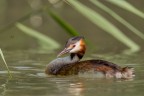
{"x":64,"y":52}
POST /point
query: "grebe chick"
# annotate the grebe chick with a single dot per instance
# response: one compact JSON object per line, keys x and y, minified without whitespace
{"x":71,"y":65}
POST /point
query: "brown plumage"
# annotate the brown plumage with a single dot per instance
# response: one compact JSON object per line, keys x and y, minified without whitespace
{"x":83,"y":66}
{"x":72,"y":65}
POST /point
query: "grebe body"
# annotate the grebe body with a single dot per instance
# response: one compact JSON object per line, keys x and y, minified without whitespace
{"x":71,"y":65}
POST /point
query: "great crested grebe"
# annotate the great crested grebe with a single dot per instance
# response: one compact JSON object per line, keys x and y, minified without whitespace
{"x":71,"y":65}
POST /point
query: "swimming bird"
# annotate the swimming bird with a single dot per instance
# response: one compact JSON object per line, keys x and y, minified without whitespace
{"x":71,"y":65}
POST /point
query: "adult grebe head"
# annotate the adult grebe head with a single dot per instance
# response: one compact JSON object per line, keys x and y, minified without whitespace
{"x":74,"y":45}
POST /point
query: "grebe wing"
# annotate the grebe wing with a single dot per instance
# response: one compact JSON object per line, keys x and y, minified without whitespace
{"x":83,"y":66}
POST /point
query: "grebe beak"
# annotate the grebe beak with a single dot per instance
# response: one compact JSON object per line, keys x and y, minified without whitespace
{"x":64,"y":52}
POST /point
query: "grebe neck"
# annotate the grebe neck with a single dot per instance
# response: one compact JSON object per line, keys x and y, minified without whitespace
{"x":80,"y":55}
{"x":55,"y":65}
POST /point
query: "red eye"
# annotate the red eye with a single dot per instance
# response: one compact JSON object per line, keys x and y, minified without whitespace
{"x":74,"y":46}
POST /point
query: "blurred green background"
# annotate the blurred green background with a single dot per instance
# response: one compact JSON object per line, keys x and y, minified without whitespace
{"x":107,"y":25}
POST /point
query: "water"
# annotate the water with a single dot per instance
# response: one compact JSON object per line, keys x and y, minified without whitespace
{"x":29,"y":78}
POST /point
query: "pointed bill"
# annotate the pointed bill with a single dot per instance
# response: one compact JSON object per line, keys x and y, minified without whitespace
{"x":63,"y":52}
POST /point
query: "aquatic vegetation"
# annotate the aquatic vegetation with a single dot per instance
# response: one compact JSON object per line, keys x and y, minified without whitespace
{"x":45,"y":41}
{"x":2,"y":56}
{"x":119,"y":18}
{"x":106,"y":25}
{"x":127,"y":6}
{"x":67,"y":27}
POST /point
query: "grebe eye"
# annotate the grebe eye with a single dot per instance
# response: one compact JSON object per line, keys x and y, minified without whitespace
{"x":74,"y":46}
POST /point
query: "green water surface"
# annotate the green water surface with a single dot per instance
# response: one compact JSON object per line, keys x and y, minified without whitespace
{"x":29,"y":78}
